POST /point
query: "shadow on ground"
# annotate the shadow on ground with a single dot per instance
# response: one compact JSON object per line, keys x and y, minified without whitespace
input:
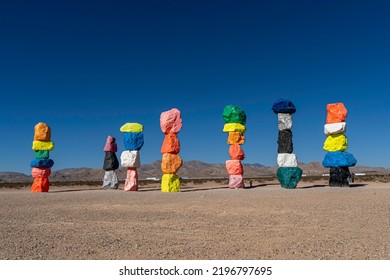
{"x":322,"y":186}
{"x":313,"y":186}
{"x":357,"y":185}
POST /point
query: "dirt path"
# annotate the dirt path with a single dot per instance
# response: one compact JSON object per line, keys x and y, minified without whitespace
{"x":202,"y":222}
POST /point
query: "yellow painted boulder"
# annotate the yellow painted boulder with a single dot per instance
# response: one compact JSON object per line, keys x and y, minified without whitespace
{"x":335,"y":143}
{"x":234,"y":127}
{"x":42,"y":145}
{"x":170,"y":183}
{"x":236,"y":138}
{"x":42,"y":132}
{"x":132,"y":127}
{"x":171,"y":163}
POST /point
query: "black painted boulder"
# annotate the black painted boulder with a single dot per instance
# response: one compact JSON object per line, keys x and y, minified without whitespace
{"x":339,"y":177}
{"x":110,"y":161}
{"x":285,"y":144}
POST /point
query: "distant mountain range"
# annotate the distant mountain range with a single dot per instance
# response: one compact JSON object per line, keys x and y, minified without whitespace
{"x":190,"y":169}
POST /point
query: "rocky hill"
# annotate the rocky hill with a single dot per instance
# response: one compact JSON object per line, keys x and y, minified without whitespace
{"x":190,"y":169}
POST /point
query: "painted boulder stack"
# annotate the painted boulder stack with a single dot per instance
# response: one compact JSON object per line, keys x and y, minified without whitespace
{"x":133,"y":140}
{"x":288,"y":173}
{"x":41,"y":165}
{"x":110,"y":164}
{"x":170,"y":123}
{"x":235,"y":119}
{"x":336,"y":144}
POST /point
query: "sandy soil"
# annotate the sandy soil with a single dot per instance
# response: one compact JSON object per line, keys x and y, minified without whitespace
{"x":207,"y":221}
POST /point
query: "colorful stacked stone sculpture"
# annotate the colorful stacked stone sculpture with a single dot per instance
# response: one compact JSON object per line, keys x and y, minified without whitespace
{"x":235,"y":119}
{"x":288,"y":174}
{"x":41,"y":165}
{"x":170,"y":123}
{"x":336,"y":143}
{"x":111,"y":163}
{"x":133,"y":139}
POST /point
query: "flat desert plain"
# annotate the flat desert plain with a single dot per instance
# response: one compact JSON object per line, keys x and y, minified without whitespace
{"x":206,"y":221}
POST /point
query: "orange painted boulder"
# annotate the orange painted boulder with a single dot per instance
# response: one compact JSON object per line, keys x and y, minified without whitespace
{"x":171,"y":144}
{"x":336,"y":113}
{"x":37,"y":172}
{"x":171,"y":163}
{"x":171,"y":121}
{"x":40,"y":185}
{"x":234,"y":167}
{"x":42,"y":132}
{"x":131,"y":183}
{"x":236,"y":138}
{"x":235,"y":152}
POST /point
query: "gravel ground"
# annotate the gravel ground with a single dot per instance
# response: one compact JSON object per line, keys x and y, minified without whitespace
{"x":202,"y":222}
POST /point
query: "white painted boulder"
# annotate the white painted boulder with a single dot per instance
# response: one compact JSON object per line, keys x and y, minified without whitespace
{"x":287,"y":160}
{"x":130,"y":159}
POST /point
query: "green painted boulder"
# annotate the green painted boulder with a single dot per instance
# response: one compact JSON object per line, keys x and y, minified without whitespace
{"x":289,"y":176}
{"x":234,"y":114}
{"x":41,"y":154}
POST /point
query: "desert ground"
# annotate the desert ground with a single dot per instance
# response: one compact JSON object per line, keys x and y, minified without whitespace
{"x":208,"y":221}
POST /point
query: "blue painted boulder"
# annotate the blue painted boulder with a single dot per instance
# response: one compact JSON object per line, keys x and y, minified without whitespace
{"x":133,"y":141}
{"x":339,"y":159}
{"x":283,"y":106}
{"x":43,"y":163}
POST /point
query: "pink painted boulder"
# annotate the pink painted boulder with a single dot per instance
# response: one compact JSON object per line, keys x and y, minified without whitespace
{"x":171,"y":121}
{"x":110,"y":145}
{"x":234,"y":167}
{"x":38,"y":172}
{"x":236,"y":182}
{"x":131,"y":183}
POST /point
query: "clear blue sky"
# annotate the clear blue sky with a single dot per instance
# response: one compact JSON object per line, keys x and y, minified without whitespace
{"x":88,"y":67}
